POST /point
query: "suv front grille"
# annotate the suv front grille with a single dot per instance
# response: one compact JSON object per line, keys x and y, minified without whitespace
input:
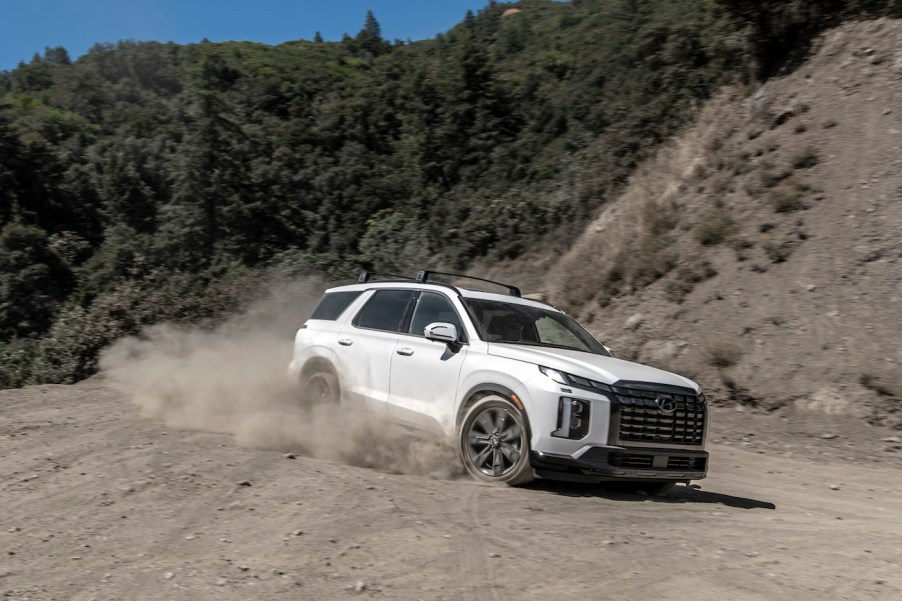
{"x":631,"y":460}
{"x":641,"y":420}
{"x":695,"y":464}
{"x":650,"y":460}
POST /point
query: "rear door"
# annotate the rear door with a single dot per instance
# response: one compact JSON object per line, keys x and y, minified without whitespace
{"x":365,"y":348}
{"x":425,"y":373}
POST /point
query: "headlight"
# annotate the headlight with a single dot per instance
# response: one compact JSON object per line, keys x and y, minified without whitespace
{"x":574,"y":381}
{"x":557,"y":376}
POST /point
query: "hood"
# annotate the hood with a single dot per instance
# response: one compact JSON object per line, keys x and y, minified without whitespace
{"x":588,"y":365}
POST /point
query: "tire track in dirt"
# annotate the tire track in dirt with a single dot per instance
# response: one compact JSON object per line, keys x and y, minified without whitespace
{"x":474,"y":563}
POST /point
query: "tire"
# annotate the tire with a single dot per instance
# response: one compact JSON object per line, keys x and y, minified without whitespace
{"x":493,"y":442}
{"x":320,"y":389}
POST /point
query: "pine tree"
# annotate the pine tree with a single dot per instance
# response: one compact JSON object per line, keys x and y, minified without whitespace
{"x":369,"y":38}
{"x":371,"y":26}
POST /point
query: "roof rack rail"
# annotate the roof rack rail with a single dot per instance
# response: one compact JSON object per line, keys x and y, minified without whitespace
{"x":365,"y":276}
{"x":423,"y":276}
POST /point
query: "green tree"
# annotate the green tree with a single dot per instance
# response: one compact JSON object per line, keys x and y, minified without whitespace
{"x":394,"y":243}
{"x":57,"y":56}
{"x":9,"y":168}
{"x":369,"y":38}
{"x":34,"y":281}
{"x":209,"y":174}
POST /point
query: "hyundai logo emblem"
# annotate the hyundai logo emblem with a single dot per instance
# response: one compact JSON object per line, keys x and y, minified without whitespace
{"x":666,"y":404}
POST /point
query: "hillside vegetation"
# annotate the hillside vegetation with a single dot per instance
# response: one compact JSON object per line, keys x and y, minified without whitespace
{"x":151,"y":181}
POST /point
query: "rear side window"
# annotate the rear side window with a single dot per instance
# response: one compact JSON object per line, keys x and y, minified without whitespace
{"x":385,"y":310}
{"x":333,"y":304}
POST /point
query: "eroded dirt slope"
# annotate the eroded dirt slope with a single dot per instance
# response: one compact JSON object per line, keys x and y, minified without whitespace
{"x":774,"y":224}
{"x":100,"y":503}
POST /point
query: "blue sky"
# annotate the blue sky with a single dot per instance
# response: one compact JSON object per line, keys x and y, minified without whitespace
{"x":28,"y":26}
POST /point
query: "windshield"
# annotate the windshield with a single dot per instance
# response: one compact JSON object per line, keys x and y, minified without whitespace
{"x":522,"y":324}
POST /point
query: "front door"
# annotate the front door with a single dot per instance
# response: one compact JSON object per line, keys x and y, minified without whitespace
{"x":425,"y":373}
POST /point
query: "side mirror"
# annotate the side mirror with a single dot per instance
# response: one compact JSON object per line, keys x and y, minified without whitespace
{"x":441,"y":332}
{"x":609,"y":350}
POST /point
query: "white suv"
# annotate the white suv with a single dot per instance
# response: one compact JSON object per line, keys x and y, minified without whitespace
{"x":522,"y":387}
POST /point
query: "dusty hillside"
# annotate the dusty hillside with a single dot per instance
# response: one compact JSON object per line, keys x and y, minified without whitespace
{"x":760,"y":251}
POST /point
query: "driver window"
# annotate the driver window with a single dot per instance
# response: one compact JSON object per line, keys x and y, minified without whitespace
{"x":432,"y":307}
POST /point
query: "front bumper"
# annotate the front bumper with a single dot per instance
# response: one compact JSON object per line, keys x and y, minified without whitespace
{"x":600,"y":464}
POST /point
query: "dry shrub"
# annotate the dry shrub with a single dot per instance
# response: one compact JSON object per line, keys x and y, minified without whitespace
{"x":804,"y":158}
{"x":881,"y":384}
{"x":687,"y":276}
{"x":722,"y":352}
{"x":769,"y":176}
{"x":652,"y":259}
{"x":717,"y":227}
{"x":789,"y":196}
{"x":778,"y":253}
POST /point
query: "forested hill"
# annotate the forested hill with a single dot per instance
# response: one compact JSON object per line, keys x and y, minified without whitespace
{"x":150,"y":181}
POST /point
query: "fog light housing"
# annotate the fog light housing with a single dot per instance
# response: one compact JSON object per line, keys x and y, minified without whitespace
{"x":572,"y":418}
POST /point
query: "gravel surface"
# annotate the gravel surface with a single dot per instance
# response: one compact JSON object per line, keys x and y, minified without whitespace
{"x":100,"y":503}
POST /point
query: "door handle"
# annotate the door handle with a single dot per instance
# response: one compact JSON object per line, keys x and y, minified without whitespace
{"x":406,"y":351}
{"x":345,"y":341}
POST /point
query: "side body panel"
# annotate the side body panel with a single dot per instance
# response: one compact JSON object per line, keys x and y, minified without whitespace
{"x":363,"y":359}
{"x":424,"y":377}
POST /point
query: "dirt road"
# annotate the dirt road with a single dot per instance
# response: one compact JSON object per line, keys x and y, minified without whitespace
{"x":100,"y":503}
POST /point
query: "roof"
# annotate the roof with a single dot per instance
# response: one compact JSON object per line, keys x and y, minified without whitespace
{"x":447,"y":288}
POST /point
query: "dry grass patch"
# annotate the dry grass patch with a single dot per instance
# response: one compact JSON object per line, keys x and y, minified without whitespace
{"x":716,"y":228}
{"x":770,"y":176}
{"x":722,"y":352}
{"x":687,"y":276}
{"x":788,"y":196}
{"x":804,"y":158}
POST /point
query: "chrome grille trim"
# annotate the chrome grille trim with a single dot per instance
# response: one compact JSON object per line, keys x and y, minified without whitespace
{"x":636,"y":418}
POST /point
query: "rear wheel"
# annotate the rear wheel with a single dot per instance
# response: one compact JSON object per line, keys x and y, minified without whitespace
{"x":494,"y":444}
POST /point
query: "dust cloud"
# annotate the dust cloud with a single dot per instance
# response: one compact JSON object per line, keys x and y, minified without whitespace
{"x":233,"y":379}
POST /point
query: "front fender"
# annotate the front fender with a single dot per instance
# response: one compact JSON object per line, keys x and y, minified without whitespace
{"x":498,"y":375}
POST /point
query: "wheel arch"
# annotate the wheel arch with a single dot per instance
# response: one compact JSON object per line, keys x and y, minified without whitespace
{"x":316,"y":365}
{"x":480,"y":391}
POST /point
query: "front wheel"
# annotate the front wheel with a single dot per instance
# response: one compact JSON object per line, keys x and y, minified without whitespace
{"x":494,"y":444}
{"x":320,"y":388}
